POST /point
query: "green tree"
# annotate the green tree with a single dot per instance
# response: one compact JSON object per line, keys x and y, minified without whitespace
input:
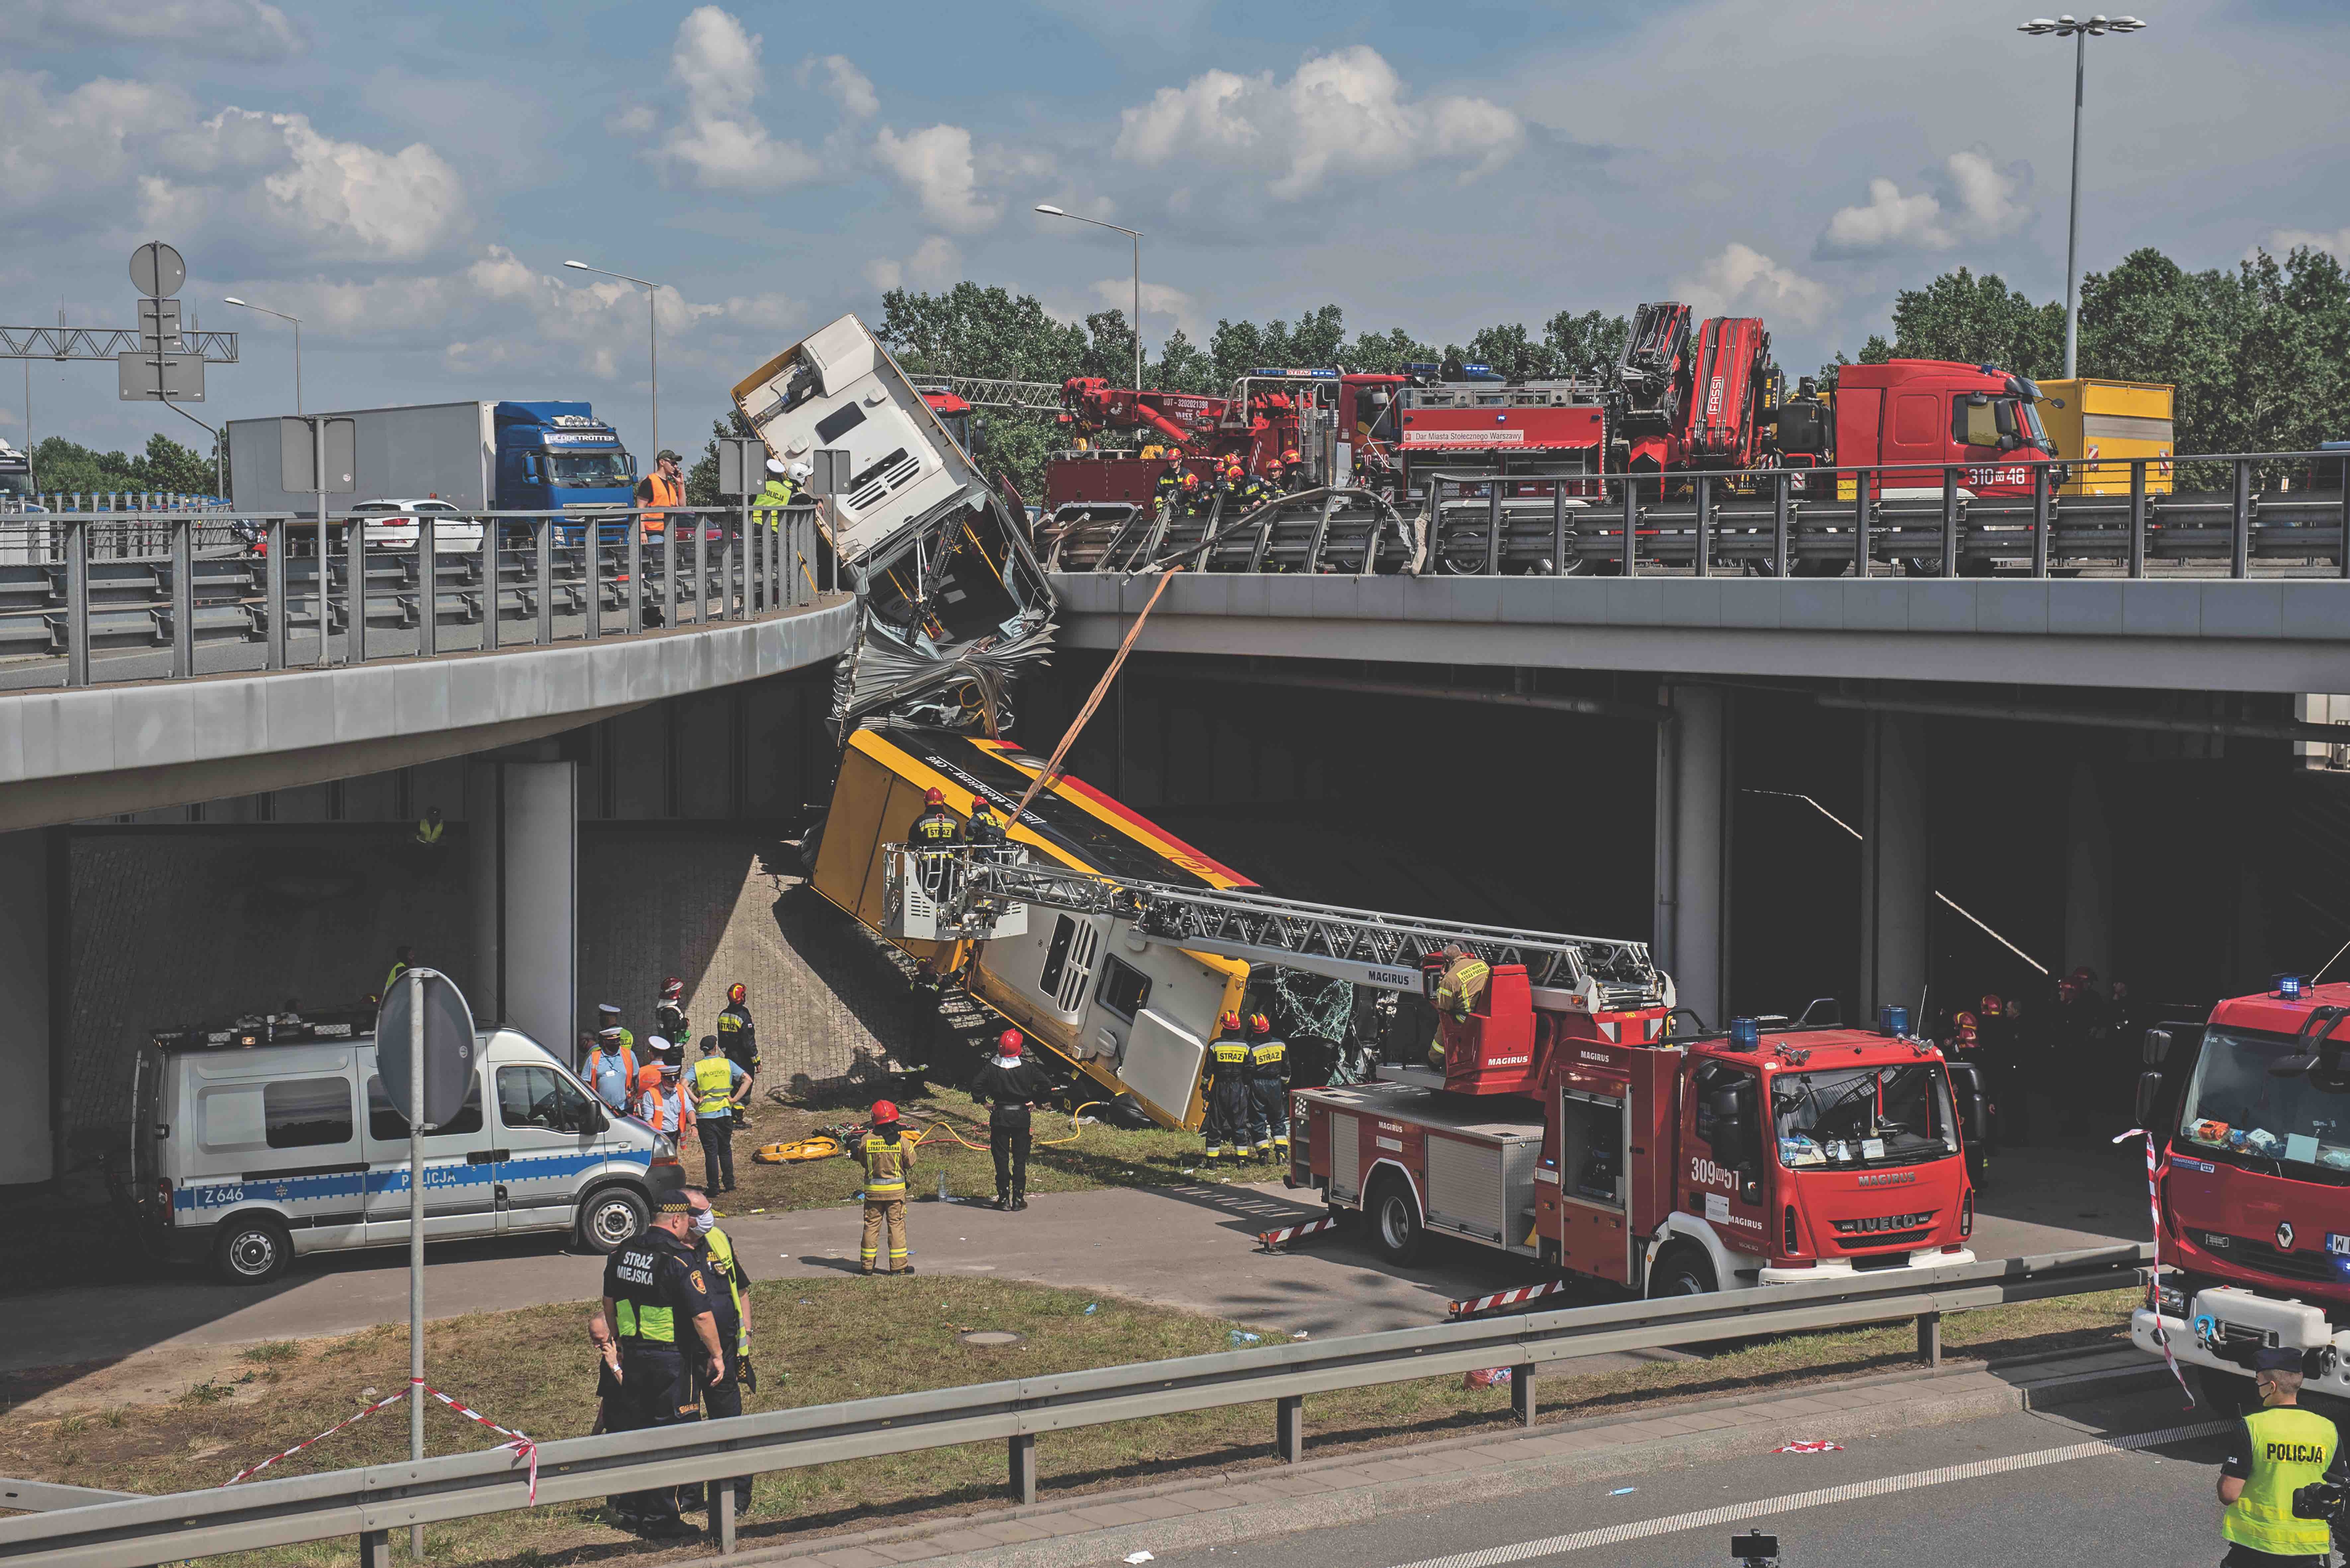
{"x":1387,"y":353}
{"x":1587,"y":342}
{"x":166,"y":466}
{"x":702,"y":478}
{"x":1979,"y":321}
{"x":1183,"y":366}
{"x":1509,"y":352}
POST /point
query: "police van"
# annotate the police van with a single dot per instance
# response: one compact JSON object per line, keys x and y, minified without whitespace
{"x":272,"y":1138}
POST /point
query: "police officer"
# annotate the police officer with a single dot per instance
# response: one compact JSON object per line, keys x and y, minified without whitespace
{"x":657,"y":1302}
{"x":719,"y":1084}
{"x":1268,"y":1089}
{"x":739,"y":1038}
{"x":1011,"y":1085}
{"x":731,"y":1307}
{"x":663,"y":1105}
{"x":888,"y":1156}
{"x":1225,"y":1124}
{"x":2275,"y":1451}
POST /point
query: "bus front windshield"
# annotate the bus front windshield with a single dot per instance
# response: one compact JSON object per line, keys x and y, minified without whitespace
{"x":1847,"y":1117}
{"x":590,"y":470}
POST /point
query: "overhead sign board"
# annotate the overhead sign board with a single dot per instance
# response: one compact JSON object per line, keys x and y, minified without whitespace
{"x":298,"y":455}
{"x":160,"y":376}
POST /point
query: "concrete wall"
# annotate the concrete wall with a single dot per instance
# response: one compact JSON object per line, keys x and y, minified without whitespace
{"x":27,"y":1138}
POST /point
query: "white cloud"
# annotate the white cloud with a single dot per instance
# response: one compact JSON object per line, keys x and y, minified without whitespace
{"x":72,"y":143}
{"x":1743,"y":279}
{"x":1340,"y":114}
{"x":847,"y":85}
{"x":217,"y":29}
{"x":1978,"y":201}
{"x":934,"y":264}
{"x":719,"y":143}
{"x":1158,"y":300}
{"x":936,"y":164}
{"x":2282,"y":241}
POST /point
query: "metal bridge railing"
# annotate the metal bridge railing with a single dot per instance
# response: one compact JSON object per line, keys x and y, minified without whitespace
{"x":2233,"y":514}
{"x":104,"y":595}
{"x":368,"y":1503}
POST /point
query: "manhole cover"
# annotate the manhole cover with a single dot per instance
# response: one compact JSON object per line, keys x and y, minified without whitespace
{"x":991,"y":1336}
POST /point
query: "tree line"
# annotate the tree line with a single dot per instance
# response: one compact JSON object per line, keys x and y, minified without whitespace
{"x":166,"y":466}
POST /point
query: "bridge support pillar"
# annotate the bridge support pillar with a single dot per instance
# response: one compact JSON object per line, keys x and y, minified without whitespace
{"x":523,"y":822}
{"x":1896,"y":887}
{"x":1695,"y":780}
{"x":31,"y":890}
{"x":2088,"y":880}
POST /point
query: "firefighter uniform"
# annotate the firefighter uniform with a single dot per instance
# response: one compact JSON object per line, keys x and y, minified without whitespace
{"x":1167,"y":494}
{"x":739,"y":1038}
{"x":657,"y":1288}
{"x":888,"y":1156}
{"x":1268,"y":1091}
{"x":1226,"y":1123}
{"x":1008,"y":1084}
{"x":2275,"y":1453}
{"x":723,"y":1265}
{"x":935,"y":836}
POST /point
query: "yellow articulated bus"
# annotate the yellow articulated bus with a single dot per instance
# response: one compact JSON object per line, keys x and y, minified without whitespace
{"x":1135,"y":1016}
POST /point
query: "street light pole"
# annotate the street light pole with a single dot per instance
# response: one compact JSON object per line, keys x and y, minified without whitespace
{"x":232,"y":299}
{"x":1136,"y":235}
{"x":2080,"y":33}
{"x":652,"y":335}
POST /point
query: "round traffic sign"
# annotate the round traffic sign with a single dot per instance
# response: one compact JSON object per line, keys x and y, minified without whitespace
{"x":157,"y":270}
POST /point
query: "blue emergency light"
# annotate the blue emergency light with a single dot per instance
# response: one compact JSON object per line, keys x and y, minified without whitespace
{"x":2289,"y":986}
{"x":1745,"y":1034}
{"x":1893,"y":1020}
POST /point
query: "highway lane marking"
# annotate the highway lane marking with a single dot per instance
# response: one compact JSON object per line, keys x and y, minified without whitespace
{"x":1738,"y":1513}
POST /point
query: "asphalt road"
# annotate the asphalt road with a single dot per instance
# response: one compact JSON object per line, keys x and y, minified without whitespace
{"x":1189,"y":1246}
{"x":2020,"y":1489}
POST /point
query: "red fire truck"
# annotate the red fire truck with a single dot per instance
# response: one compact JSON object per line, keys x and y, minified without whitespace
{"x":2249,"y":1113}
{"x":1598,"y":1143}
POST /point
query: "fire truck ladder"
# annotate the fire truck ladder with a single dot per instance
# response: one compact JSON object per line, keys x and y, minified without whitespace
{"x":1384,"y":951}
{"x":996,"y":392}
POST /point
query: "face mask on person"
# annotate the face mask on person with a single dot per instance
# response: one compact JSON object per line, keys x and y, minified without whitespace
{"x":705,"y":1222}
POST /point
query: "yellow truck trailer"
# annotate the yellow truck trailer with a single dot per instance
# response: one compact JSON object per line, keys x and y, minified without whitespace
{"x":1136,"y":1017}
{"x":2095,"y":422}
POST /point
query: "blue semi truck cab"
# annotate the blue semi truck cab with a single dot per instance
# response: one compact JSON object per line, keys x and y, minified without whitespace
{"x":554,"y":455}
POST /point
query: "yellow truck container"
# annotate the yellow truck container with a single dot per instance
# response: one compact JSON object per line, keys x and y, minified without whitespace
{"x":2095,"y":422}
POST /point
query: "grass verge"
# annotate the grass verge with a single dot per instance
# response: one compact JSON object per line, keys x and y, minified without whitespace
{"x":827,"y":1340}
{"x":1066,"y":1157}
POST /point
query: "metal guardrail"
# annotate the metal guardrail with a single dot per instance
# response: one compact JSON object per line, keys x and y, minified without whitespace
{"x":371,"y":1502}
{"x":1912,"y":519}
{"x":311,"y":591}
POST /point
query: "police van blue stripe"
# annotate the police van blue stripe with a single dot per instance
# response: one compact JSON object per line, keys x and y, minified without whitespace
{"x":204,"y":1197}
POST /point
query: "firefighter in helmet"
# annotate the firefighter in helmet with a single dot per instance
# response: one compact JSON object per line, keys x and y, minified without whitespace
{"x":1193,"y":496}
{"x":1168,"y":492}
{"x":935,"y":836}
{"x":1226,"y":1122}
{"x":1268,"y":1090}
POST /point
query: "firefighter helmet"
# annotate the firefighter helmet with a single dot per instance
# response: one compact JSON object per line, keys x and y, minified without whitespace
{"x":1289,"y":454}
{"x":884,"y":1113}
{"x":935,"y":795}
{"x":1964,"y":1021}
{"x":1008,"y":1043}
{"x":1230,"y":1020}
{"x":1190,"y":480}
{"x":736,"y":993}
{"x":1260,"y":1024}
{"x":673,"y":988}
{"x":1990,"y":1004}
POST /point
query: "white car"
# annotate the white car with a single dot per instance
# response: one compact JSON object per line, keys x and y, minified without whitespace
{"x":392,"y":526}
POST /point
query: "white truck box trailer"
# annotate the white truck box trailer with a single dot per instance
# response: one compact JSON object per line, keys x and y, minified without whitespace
{"x":444,"y":450}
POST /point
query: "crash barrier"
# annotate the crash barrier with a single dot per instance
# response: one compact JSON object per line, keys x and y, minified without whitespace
{"x":371,"y":1503}
{"x":309,"y":592}
{"x":2230,"y":515}
{"x":30,"y":533}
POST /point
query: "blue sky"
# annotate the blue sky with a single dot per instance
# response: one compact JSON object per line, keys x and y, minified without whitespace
{"x":410,"y":178}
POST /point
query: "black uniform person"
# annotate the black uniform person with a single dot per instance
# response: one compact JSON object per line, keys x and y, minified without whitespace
{"x":1011,"y":1084}
{"x":1268,"y":1089}
{"x":739,"y":1038}
{"x":1225,"y":1125}
{"x":1168,"y":493}
{"x":934,"y":836}
{"x":657,"y":1300}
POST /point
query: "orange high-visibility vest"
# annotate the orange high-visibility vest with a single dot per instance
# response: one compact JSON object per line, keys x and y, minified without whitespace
{"x":665,"y":492}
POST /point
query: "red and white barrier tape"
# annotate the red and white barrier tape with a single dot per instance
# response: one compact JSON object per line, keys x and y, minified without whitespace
{"x":1506,"y":1298}
{"x":329,"y":1432}
{"x":523,"y":1448}
{"x":2154,"y":1206}
{"x":1269,"y":1240}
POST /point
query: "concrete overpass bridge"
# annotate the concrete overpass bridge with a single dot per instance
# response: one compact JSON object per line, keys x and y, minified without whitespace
{"x":205,"y":727}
